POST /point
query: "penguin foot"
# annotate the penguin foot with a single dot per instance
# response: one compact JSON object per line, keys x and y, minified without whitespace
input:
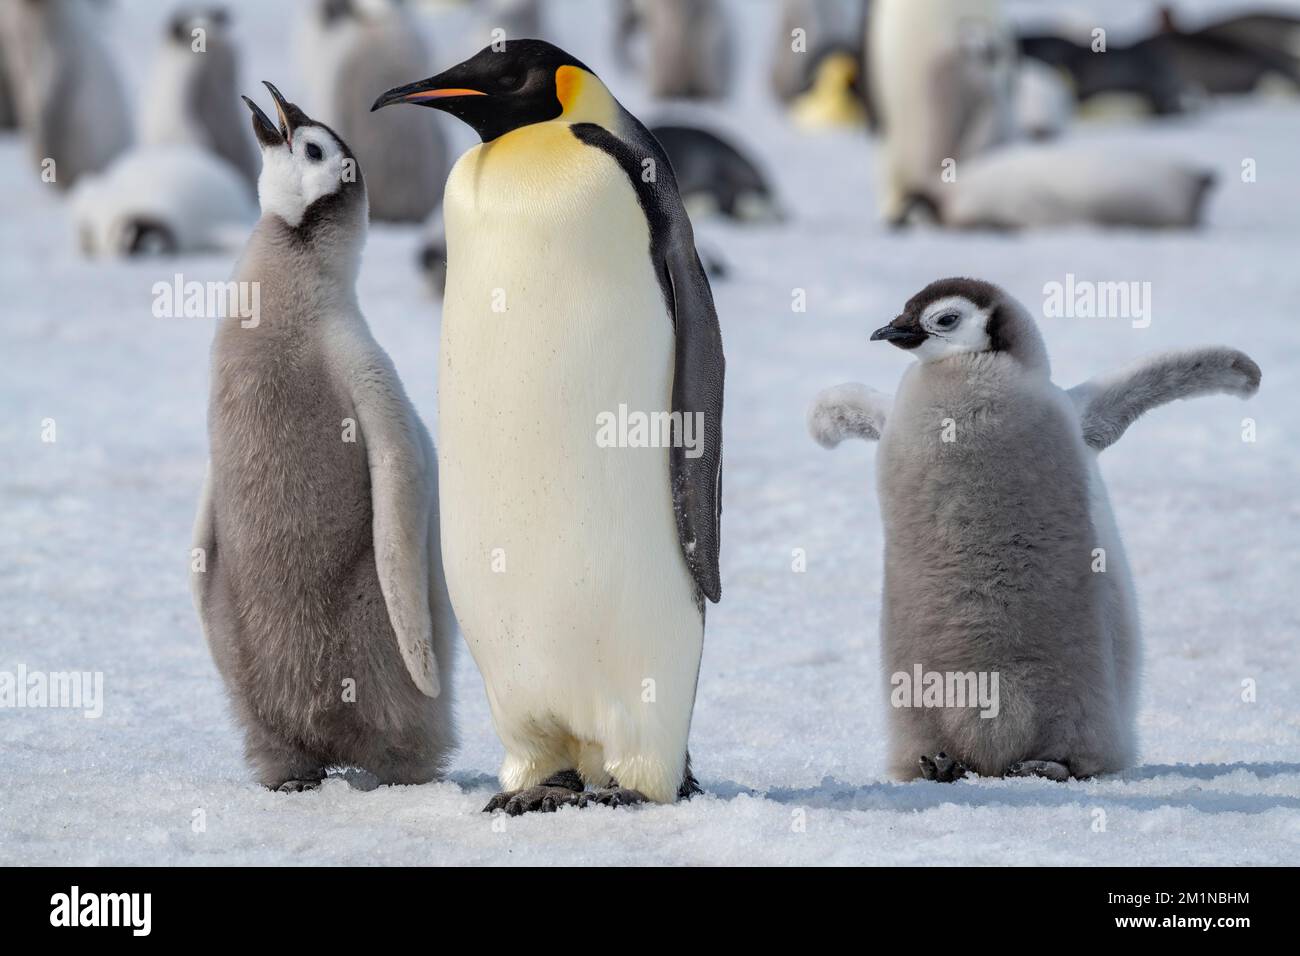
{"x":1050,"y":769}
{"x":614,"y":796}
{"x":942,"y":768}
{"x":298,"y":786}
{"x":556,"y":791}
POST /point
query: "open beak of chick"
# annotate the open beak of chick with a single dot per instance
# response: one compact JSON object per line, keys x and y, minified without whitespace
{"x":279,"y":133}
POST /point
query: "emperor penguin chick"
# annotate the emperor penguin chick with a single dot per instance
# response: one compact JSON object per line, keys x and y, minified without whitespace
{"x":993,"y":509}
{"x":322,"y":596}
{"x":69,"y":98}
{"x":192,"y":96}
{"x":578,"y":560}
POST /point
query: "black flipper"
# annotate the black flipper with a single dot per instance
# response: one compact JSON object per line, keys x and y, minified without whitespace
{"x":699,"y":367}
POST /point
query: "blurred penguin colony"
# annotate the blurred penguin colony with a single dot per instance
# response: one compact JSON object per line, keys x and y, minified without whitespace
{"x":936,"y":82}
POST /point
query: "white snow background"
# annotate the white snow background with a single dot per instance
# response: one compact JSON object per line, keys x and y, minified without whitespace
{"x":790,"y":719}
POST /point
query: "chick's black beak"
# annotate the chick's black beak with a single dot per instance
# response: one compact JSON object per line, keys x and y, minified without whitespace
{"x":434,"y":92}
{"x":290,"y":116}
{"x":904,"y":333}
{"x":265,"y":131}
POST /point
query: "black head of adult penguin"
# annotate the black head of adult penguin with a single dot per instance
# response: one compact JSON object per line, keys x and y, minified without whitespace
{"x":496,"y":91}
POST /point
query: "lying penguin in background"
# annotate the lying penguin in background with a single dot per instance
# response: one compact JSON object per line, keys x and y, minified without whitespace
{"x":70,"y":101}
{"x":1218,"y":61}
{"x":713,"y":176}
{"x":1028,"y":186}
{"x":1143,"y":70}
{"x":321,"y":595}
{"x":993,"y":506}
{"x":193,"y":94}
{"x":350,"y":49}
{"x":161,"y":200}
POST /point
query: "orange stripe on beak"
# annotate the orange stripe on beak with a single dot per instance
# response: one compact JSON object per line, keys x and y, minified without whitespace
{"x":440,"y":94}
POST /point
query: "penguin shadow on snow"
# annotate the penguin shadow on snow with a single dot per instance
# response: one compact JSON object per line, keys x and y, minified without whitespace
{"x":1184,"y":791}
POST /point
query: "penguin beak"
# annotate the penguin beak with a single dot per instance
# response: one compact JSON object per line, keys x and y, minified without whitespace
{"x":430,"y":92}
{"x":286,"y":111}
{"x":903,"y":332}
{"x":267,"y":135}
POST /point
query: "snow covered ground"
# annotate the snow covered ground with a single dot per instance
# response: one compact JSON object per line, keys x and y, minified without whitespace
{"x":789,"y":729}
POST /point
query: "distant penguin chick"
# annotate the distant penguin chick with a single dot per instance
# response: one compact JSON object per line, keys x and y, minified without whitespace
{"x":835,"y":100}
{"x":995,"y":515}
{"x":161,"y":200}
{"x":193,"y":94}
{"x":349,"y":49}
{"x":714,"y":176}
{"x":321,"y":590}
{"x":70,"y":100}
{"x":690,"y":48}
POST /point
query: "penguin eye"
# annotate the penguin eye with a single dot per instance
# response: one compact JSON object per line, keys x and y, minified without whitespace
{"x":314,"y":153}
{"x":508,"y":82}
{"x":947,"y":320}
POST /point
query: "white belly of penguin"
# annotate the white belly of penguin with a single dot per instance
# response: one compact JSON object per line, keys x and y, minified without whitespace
{"x":562,"y":556}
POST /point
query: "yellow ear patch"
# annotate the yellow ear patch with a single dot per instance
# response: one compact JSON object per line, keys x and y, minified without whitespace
{"x":568,"y":86}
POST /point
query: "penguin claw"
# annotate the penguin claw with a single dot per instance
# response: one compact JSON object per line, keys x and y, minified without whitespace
{"x":613,"y":797}
{"x":941,"y":768}
{"x":297,"y":786}
{"x":539,"y":799}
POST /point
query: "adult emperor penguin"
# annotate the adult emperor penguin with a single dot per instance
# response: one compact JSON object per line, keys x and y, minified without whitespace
{"x":942,"y":81}
{"x":192,"y":96}
{"x":70,"y":101}
{"x":574,"y":297}
{"x":993,"y":509}
{"x":347,"y":49}
{"x":320,"y":589}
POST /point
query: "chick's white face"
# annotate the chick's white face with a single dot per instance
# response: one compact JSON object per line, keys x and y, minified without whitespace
{"x":296,"y":174}
{"x":953,"y":325}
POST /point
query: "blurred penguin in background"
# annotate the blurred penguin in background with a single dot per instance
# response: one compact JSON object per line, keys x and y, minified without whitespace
{"x":518,"y":19}
{"x":688,"y":46}
{"x":162,"y":200}
{"x":835,"y":99}
{"x":942,"y":78}
{"x":1044,"y":102}
{"x":69,"y":99}
{"x":8,"y":109}
{"x":1027,"y":185}
{"x":348,"y":49}
{"x":806,"y":27}
{"x":1233,"y":61}
{"x":715,"y":177}
{"x":193,"y":94}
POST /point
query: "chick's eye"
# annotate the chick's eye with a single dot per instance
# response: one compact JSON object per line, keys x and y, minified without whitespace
{"x":314,"y":153}
{"x":947,"y":321}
